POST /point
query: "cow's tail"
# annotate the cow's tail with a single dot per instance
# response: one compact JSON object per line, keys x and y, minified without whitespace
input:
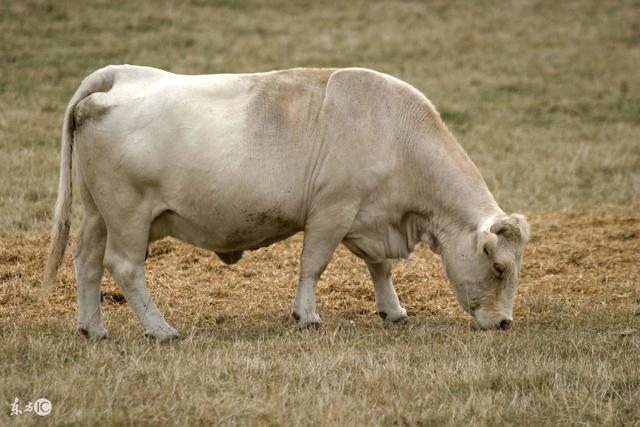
{"x":100,"y":81}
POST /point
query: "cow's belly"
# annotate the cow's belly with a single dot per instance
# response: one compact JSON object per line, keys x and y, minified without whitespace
{"x":228,"y":202}
{"x":227,"y":233}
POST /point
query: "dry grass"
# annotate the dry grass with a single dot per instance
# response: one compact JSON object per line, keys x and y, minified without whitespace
{"x":573,"y":355}
{"x":544,"y":95}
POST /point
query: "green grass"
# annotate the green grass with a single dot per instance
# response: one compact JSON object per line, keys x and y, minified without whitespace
{"x":545,"y":97}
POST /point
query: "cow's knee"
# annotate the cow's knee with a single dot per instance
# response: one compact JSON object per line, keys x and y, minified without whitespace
{"x":124,"y":271}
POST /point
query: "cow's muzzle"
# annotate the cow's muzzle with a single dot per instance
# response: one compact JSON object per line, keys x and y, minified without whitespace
{"x":492,"y":320}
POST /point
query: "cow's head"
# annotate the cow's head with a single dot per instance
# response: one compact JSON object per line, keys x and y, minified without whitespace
{"x":483,"y":267}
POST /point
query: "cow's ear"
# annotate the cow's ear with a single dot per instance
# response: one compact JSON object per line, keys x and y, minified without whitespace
{"x":486,"y":243}
{"x":514,"y":227}
{"x":523,"y":226}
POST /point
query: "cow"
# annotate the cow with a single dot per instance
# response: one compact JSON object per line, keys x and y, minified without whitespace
{"x":235,"y":162}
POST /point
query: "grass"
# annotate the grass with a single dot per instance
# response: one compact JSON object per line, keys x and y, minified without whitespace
{"x":545,"y":97}
{"x":351,"y":373}
{"x":571,"y":358}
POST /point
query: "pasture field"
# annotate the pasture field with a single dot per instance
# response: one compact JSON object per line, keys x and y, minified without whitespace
{"x":545,"y":97}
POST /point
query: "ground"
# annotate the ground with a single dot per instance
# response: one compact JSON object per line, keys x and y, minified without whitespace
{"x":545,"y":97}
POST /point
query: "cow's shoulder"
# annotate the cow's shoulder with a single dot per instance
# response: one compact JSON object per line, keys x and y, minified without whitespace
{"x":364,"y":94}
{"x":283,"y":100}
{"x":295,"y":76}
{"x":374,"y":83}
{"x":287,"y":85}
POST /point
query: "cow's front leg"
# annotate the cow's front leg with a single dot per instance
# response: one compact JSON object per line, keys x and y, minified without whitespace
{"x":319,"y":244}
{"x":304,"y":305}
{"x":387,"y":301}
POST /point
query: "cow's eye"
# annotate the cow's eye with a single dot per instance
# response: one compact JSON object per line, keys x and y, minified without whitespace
{"x":486,"y":252}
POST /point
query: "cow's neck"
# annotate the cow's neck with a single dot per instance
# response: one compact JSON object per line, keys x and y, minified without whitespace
{"x":456,"y":195}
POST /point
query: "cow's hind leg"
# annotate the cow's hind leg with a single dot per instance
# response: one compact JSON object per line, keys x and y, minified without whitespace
{"x":127,"y":240}
{"x":387,"y":301}
{"x":88,"y":254}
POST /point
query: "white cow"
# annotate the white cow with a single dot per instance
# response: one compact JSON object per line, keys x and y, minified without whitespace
{"x":232,"y":162}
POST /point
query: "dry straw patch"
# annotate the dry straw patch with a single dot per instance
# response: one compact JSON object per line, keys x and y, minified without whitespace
{"x":575,"y":263}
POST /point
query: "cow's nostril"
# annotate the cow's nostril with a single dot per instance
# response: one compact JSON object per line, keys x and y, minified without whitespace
{"x":505,"y":324}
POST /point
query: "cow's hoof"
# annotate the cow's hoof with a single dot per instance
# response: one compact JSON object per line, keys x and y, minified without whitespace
{"x":166,"y":333}
{"x":95,"y":333}
{"x":311,"y":321}
{"x":398,"y":317}
{"x":310,"y":325}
